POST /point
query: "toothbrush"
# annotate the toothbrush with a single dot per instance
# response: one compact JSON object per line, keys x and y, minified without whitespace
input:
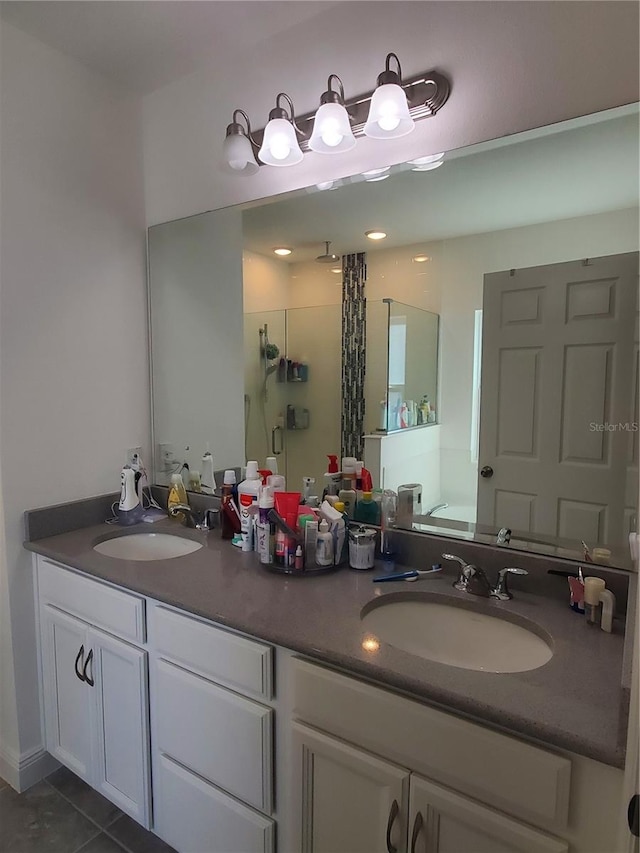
{"x":412,"y":575}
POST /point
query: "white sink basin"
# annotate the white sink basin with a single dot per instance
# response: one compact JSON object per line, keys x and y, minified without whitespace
{"x":147,"y":546}
{"x":455,"y":635}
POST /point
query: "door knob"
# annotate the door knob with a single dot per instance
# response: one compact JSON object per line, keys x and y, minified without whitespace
{"x":486,"y":472}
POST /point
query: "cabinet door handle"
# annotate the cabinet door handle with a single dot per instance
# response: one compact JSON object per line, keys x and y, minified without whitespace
{"x":393,"y":814}
{"x":417,"y":826}
{"x":75,"y":666}
{"x":633,"y":815}
{"x":86,"y":676}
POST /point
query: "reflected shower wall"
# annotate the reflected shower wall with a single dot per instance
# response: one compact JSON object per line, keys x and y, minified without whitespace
{"x":292,"y":402}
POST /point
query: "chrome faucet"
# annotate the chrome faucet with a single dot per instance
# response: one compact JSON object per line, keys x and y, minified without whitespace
{"x":473,"y":580}
{"x":435,"y":509}
{"x":195,"y":520}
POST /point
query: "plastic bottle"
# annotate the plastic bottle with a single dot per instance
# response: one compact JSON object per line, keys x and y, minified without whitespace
{"x":248,"y":493}
{"x":324,"y":545}
{"x":341,"y":545}
{"x":229,"y":513}
{"x":271,"y":463}
{"x":367,"y":510}
{"x":348,"y":497}
{"x":194,"y":483}
{"x":265,"y":529}
{"x":177,"y":495}
{"x":207,"y":476}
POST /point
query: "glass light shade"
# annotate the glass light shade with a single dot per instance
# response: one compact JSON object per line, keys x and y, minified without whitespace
{"x":238,"y":155}
{"x":279,"y":145}
{"x":389,"y":115}
{"x":331,"y":130}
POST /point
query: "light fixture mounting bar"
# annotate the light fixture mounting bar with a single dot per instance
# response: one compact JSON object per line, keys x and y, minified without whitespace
{"x":426,"y":94}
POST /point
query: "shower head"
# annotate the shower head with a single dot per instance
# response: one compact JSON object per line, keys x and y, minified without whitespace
{"x":327,"y":258}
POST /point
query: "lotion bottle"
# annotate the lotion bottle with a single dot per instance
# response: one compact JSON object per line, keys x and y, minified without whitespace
{"x":324,"y":545}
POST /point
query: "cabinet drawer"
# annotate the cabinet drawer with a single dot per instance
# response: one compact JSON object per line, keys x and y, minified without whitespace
{"x":114,"y":610}
{"x":229,"y":659}
{"x":499,"y":770}
{"x":218,"y":734}
{"x":193,"y":816}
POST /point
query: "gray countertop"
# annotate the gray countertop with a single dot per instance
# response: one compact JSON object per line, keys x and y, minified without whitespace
{"x":574,"y":702}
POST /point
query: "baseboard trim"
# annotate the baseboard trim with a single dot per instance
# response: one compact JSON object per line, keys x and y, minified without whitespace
{"x":23,"y":771}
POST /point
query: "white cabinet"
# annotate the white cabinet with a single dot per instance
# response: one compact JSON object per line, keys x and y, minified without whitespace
{"x":350,"y":801}
{"x":355,"y":802}
{"x":212,"y":757}
{"x":95,"y":697}
{"x":441,"y":821}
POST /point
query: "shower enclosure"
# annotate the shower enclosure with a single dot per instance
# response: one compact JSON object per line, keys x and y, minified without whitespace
{"x":292,"y":399}
{"x":293,"y":376}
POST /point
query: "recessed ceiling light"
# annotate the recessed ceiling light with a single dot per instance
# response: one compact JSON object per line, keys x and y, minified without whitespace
{"x":420,"y":259}
{"x":428,"y":167}
{"x":336,"y":269}
{"x":429,"y":158}
{"x":375,"y":235}
{"x":376,"y":174}
{"x":281,"y":250}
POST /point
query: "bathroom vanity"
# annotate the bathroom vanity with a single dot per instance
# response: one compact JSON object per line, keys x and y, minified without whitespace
{"x":228,"y":708}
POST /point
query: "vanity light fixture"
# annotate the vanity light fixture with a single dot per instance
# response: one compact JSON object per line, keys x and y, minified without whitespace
{"x":280,"y":145}
{"x":389,"y":116}
{"x":282,"y":251}
{"x":375,"y":234}
{"x":331,"y":127}
{"x":238,"y":147}
{"x":388,"y":112}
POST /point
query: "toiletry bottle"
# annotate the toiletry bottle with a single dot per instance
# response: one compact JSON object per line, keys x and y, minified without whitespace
{"x":265,"y":529}
{"x":299,"y":559}
{"x":341,"y":549}
{"x":348,"y":497}
{"x":194,"y":484}
{"x":177,"y":495}
{"x":229,"y":513}
{"x":248,"y":493}
{"x":307,"y":491}
{"x":271,"y":463}
{"x":310,"y":542}
{"x":367,"y":510}
{"x":332,"y":477}
{"x":207,"y":476}
{"x":324,"y":545}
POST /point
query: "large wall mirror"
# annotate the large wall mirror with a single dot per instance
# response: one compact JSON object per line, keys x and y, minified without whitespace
{"x":524,"y":251}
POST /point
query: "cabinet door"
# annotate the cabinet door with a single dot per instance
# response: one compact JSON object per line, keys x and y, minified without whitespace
{"x":67,"y":699}
{"x":443,"y":822}
{"x":351,"y":801}
{"x":121,"y":713}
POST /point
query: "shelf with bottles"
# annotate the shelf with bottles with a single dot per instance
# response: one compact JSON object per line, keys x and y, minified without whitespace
{"x":399,"y":414}
{"x":290,"y":370}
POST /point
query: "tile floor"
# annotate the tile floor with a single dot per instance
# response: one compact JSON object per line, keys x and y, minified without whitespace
{"x":62,"y":814}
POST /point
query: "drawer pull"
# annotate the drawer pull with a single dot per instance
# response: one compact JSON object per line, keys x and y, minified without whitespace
{"x":417,"y":826}
{"x":79,"y":655}
{"x":86,"y":676}
{"x":393,"y":814}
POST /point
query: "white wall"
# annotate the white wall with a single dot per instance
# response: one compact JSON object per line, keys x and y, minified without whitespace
{"x":73,"y":341}
{"x":513,"y":66}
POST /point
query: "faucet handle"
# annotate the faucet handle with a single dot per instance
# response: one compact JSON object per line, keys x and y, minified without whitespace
{"x":467,"y":571}
{"x":501,"y":589}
